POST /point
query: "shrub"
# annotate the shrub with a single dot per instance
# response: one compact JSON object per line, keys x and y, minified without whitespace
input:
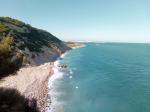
{"x":6,"y":46}
{"x":12,"y":101}
{"x":3,"y":27}
{"x":10,"y":58}
{"x":12,"y":21}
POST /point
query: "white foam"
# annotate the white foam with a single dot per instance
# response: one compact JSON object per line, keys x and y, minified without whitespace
{"x":63,"y":55}
{"x":52,"y":103}
{"x":70,"y":77}
{"x":70,"y":71}
{"x":77,"y":87}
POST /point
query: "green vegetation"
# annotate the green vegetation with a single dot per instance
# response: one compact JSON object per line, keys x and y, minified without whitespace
{"x":15,"y":36}
{"x":10,"y":59}
{"x":6,"y":46}
{"x":3,"y":27}
{"x":34,"y":39}
{"x":12,"y":21}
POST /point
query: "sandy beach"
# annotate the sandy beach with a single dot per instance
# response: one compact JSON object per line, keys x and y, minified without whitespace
{"x":32,"y":82}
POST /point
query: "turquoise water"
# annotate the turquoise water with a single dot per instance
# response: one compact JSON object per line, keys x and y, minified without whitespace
{"x":106,"y":77}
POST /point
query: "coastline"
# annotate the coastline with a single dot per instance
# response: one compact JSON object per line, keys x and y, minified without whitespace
{"x":51,"y":98}
{"x":33,"y":82}
{"x":40,"y":89}
{"x":75,"y":45}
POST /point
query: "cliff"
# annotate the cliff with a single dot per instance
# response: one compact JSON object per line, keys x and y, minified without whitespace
{"x":22,"y":44}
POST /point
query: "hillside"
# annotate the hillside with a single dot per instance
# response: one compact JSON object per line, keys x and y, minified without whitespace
{"x":22,"y":44}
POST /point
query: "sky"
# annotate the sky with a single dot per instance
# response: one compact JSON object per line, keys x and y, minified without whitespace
{"x":85,"y":20}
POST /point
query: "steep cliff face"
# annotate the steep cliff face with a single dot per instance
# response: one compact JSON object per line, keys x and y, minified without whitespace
{"x":28,"y":44}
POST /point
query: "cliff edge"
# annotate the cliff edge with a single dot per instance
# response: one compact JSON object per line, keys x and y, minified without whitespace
{"x":21,"y":44}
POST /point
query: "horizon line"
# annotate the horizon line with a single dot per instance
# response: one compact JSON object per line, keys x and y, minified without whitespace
{"x":82,"y":41}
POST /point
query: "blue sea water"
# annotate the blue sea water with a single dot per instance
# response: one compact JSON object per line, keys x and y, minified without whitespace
{"x":105,"y":77}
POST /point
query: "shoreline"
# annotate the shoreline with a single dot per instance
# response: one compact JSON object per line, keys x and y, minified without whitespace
{"x":75,"y":45}
{"x":32,"y":83}
{"x":51,"y":99}
{"x":41,"y":93}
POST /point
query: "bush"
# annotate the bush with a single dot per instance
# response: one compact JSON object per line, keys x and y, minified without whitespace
{"x":12,"y":21}
{"x":12,"y":101}
{"x":10,"y":59}
{"x":6,"y":46}
{"x":3,"y":27}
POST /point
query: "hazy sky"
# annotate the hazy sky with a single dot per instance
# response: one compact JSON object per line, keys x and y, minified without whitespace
{"x":88,"y":20}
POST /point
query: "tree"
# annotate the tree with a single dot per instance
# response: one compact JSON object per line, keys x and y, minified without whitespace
{"x":10,"y":58}
{"x":6,"y":46}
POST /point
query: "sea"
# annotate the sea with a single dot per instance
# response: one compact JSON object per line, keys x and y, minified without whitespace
{"x":102,"y":77}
